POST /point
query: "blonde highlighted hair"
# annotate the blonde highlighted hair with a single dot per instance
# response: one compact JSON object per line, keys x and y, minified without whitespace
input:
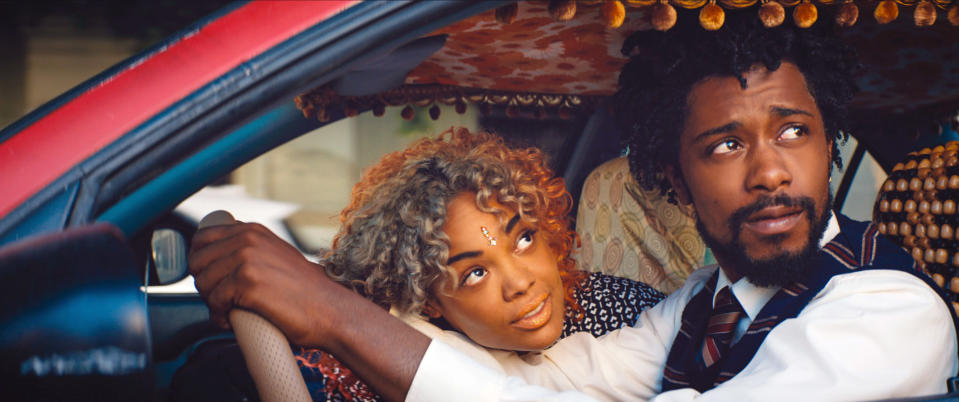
{"x":391,"y":247}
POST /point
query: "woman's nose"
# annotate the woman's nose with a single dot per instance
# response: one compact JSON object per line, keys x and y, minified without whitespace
{"x":517,"y":280}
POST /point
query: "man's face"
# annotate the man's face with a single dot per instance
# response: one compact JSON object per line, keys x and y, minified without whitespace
{"x":755,"y":164}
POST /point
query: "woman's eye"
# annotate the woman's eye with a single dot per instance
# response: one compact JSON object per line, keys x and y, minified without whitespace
{"x":725,"y":147}
{"x":525,"y":240}
{"x":474,"y":276}
{"x":793,"y":132}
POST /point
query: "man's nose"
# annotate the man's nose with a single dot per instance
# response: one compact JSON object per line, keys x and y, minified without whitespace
{"x":767,"y":170}
{"x":517,"y":279}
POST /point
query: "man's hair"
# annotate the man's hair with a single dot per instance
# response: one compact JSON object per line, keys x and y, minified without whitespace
{"x":391,"y":247}
{"x":651,"y":104}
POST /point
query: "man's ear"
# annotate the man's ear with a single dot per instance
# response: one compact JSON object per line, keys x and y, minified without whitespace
{"x":676,"y":181}
{"x":430,"y":309}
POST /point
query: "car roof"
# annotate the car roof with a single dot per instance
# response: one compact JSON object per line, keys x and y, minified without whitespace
{"x":140,"y":88}
{"x":128,"y":125}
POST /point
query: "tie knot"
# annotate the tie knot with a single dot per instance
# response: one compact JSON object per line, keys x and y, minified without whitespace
{"x":719,"y":329}
{"x":725,"y":315}
{"x":725,"y":298}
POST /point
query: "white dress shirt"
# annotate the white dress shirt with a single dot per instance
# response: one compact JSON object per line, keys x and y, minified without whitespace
{"x":867,"y":335}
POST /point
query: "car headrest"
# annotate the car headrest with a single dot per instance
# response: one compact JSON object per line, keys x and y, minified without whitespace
{"x":635,"y":233}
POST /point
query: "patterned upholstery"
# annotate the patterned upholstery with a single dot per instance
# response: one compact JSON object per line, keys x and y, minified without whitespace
{"x":634,"y":233}
{"x":916,"y":209}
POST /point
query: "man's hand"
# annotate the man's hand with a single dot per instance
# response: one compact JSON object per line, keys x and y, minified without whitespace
{"x":245,"y":265}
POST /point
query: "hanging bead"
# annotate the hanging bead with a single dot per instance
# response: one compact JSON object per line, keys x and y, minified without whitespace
{"x":848,"y":14}
{"x":886,"y":11}
{"x":664,"y":16}
{"x":614,"y":12}
{"x":712,"y":16}
{"x":460,"y":106}
{"x":772,"y":14}
{"x":925,"y":14}
{"x":805,"y":14}
{"x":408,"y":113}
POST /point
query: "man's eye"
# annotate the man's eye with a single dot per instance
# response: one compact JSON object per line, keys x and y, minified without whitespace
{"x":525,"y":241}
{"x":725,"y":147}
{"x":474,"y":276}
{"x":793,"y":132}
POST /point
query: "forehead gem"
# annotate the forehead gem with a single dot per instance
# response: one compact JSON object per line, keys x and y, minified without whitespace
{"x":491,"y":239}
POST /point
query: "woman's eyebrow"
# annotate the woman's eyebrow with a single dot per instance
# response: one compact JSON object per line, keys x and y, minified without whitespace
{"x":512,"y":223}
{"x":463,"y":255}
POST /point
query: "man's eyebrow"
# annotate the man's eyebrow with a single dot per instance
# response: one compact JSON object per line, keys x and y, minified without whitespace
{"x":512,"y":222}
{"x":786,"y":112}
{"x":717,"y":130}
{"x":463,"y":255}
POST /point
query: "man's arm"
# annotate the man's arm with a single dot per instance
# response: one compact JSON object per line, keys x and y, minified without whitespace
{"x":246,"y":265}
{"x":868,"y":335}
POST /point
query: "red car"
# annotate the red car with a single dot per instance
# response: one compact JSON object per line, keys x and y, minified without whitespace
{"x":86,"y":179}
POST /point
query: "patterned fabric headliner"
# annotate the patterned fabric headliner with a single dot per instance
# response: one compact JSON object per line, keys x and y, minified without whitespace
{"x":907,"y":68}
{"x":525,"y":56}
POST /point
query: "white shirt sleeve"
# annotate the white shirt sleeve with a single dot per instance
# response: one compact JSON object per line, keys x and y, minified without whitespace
{"x":626,"y":364}
{"x":867,"y":335}
{"x":446,"y":374}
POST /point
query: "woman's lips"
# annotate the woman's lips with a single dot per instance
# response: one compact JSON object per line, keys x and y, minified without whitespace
{"x":535,"y":315}
{"x":773,"y":224}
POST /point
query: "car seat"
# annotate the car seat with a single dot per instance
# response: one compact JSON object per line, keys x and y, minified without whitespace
{"x":632,"y":232}
{"x":916,"y":209}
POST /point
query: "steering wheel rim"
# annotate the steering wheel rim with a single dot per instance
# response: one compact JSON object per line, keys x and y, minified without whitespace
{"x":266,"y":350}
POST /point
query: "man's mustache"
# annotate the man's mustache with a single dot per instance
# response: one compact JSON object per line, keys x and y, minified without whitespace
{"x":738,"y":218}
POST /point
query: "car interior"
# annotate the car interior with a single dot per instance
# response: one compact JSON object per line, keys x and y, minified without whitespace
{"x":521,"y":70}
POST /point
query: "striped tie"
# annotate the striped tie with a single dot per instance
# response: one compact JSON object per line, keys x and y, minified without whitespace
{"x":722,"y":321}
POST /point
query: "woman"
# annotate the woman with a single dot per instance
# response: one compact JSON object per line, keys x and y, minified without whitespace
{"x":475,"y":237}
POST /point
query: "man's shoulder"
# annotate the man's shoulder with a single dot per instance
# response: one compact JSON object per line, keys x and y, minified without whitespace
{"x":882,"y":285}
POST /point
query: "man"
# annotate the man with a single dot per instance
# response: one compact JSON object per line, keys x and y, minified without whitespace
{"x":742,"y":124}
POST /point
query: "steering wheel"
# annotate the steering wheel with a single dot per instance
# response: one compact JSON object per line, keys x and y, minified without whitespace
{"x":265,"y":348}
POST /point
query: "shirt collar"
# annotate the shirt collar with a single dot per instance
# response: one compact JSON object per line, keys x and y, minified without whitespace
{"x":753,"y":297}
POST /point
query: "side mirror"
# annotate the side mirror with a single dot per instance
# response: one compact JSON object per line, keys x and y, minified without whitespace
{"x":168,"y":257}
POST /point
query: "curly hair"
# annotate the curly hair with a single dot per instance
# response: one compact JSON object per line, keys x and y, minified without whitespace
{"x":391,"y":248}
{"x":651,"y":104}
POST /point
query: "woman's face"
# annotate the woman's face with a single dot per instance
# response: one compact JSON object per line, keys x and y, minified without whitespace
{"x":510,"y":295}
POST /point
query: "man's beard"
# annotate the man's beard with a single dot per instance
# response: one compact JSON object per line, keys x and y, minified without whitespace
{"x":778,"y":270}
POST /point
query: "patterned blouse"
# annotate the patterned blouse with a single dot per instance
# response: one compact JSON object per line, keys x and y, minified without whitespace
{"x":607,"y":303}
